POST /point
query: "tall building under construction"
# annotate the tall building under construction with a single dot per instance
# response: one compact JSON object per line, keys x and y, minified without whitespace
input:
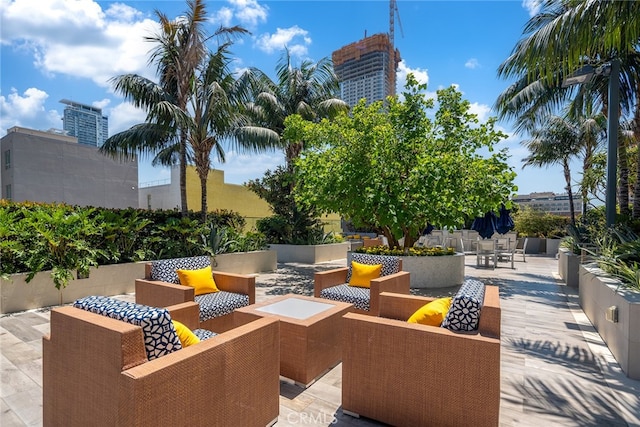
{"x":367,"y":69}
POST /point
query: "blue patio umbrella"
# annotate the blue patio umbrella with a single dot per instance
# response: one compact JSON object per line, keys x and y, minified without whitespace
{"x":428,"y":230}
{"x":504,"y":222}
{"x":485,"y":225}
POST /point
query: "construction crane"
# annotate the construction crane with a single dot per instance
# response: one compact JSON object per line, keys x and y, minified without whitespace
{"x":393,"y":11}
{"x":394,"y":55}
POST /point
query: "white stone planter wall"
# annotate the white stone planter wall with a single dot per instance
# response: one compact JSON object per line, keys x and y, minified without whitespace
{"x":597,"y":294}
{"x":569,"y":267}
{"x":434,"y":271}
{"x":107,"y":280}
{"x":311,"y":254}
{"x":552,"y":246}
{"x":246,"y":262}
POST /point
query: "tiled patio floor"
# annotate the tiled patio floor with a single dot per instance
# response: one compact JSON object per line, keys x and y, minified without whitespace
{"x":556,"y":371}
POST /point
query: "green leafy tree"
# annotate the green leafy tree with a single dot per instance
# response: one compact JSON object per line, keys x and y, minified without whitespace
{"x":391,"y":165}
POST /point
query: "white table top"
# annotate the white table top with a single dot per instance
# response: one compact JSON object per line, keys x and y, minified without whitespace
{"x":296,"y":308}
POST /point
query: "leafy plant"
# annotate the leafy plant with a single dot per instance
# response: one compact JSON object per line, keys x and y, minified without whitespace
{"x":530,"y":222}
{"x":618,"y":254}
{"x":413,"y":251}
{"x":293,"y":223}
{"x":63,"y":243}
{"x":121,"y":235}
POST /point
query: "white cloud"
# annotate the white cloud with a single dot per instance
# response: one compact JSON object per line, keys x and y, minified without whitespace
{"x":240,"y":168}
{"x":27,"y":110}
{"x":78,"y":38}
{"x":403,"y":70}
{"x":294,"y":38}
{"x":123,"y":116}
{"x":472,"y":63}
{"x":480,"y":110}
{"x":224,"y":16}
{"x":249,"y":13}
{"x":532,"y":6}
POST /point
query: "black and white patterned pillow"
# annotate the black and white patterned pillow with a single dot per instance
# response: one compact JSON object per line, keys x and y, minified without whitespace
{"x":356,"y":295}
{"x":464,"y":313}
{"x":390,"y":264}
{"x":203,"y":334}
{"x":160,"y":336}
{"x":219,"y":303}
{"x":165,"y":270}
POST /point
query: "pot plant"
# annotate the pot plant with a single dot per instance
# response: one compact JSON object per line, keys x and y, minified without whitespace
{"x":435,"y":267}
{"x":610,"y":295}
{"x":240,"y":252}
{"x":295,"y":231}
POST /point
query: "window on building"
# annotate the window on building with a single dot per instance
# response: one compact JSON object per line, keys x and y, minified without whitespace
{"x":7,"y":159}
{"x":7,"y":192}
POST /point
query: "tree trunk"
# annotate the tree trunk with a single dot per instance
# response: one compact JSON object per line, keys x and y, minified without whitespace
{"x":623,"y":180}
{"x":183,"y":173}
{"x":203,"y":197}
{"x":567,"y":178}
{"x":635,"y":127}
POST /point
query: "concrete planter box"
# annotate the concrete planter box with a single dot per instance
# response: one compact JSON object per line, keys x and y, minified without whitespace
{"x":533,"y":245}
{"x":569,"y":267}
{"x":598,"y":293}
{"x":246,"y":262}
{"x":552,"y":246}
{"x":434,"y":271}
{"x":311,"y":254}
{"x":107,"y":280}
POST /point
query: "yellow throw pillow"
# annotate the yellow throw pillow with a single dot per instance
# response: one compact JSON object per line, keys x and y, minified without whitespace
{"x":201,"y":279}
{"x":185,"y":335}
{"x":361,"y":274}
{"x":433,"y":313}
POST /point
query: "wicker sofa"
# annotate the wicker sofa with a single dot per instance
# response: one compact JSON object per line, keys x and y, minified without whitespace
{"x":333,"y":284}
{"x":410,"y":374}
{"x":160,"y":288}
{"x":97,"y":371}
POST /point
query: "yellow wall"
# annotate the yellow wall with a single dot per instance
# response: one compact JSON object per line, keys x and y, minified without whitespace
{"x":237,"y":198}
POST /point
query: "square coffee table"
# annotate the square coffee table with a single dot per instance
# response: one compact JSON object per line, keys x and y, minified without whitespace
{"x":310,"y":334}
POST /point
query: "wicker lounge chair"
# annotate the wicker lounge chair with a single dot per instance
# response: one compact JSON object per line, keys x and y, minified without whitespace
{"x":333,"y":284}
{"x":416,"y":375}
{"x":161,"y":288}
{"x":98,"y":370}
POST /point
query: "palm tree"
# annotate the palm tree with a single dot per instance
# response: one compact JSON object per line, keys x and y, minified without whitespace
{"x":559,"y":40}
{"x":180,"y":49}
{"x":217,"y":117}
{"x":555,"y":143}
{"x":309,"y":90}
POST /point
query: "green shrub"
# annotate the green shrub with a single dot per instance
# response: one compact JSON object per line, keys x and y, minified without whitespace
{"x":534,"y":223}
{"x":66,"y":239}
{"x":413,"y":251}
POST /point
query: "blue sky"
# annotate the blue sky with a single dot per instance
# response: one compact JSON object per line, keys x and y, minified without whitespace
{"x":70,"y":49}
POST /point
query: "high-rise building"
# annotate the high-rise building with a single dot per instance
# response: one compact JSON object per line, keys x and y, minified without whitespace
{"x":367,"y":69}
{"x":85,"y":123}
